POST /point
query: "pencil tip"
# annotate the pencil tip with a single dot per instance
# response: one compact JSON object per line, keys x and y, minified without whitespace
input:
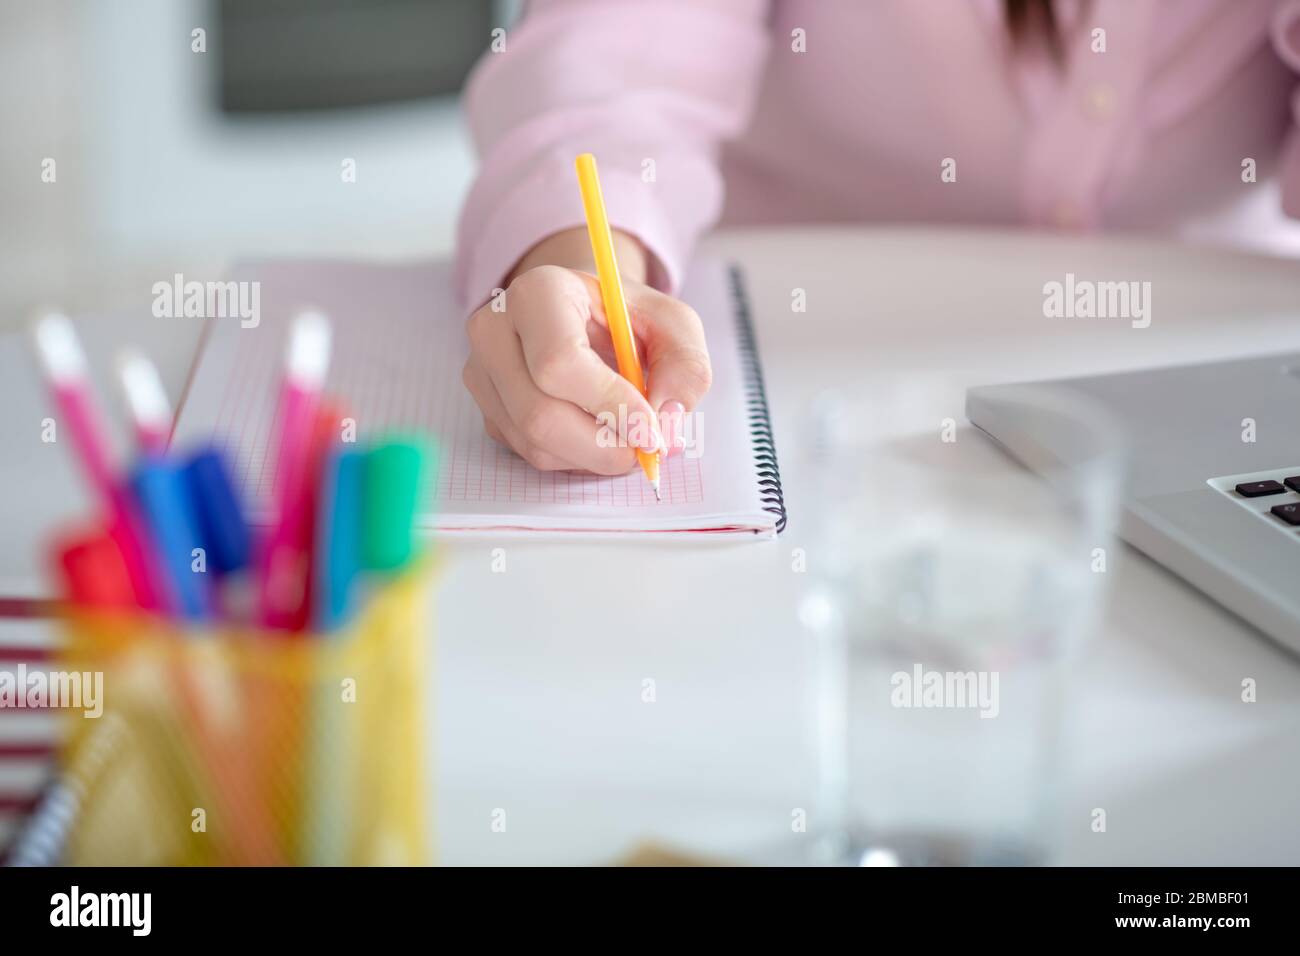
{"x":655,"y":485}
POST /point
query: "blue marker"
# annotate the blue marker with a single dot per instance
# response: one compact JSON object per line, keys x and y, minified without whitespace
{"x":226,"y":535}
{"x":164,"y":498}
{"x":337,"y":564}
{"x":338,"y":536}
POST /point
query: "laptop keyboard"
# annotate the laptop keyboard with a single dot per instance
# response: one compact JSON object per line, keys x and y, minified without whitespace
{"x":1272,"y":495}
{"x":1290,"y":513}
{"x":1258,"y":489}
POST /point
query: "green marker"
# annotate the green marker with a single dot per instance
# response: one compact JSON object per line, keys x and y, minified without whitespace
{"x":393,"y":496}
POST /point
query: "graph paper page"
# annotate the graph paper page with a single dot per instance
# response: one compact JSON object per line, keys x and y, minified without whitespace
{"x":398,"y":350}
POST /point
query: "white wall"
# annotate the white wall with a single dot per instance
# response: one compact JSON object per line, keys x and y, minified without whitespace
{"x":38,"y":87}
{"x":153,"y":179}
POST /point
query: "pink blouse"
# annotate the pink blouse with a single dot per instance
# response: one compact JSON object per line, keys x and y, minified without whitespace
{"x":744,"y":112}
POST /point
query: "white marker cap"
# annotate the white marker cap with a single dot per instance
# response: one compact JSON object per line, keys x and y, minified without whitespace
{"x":308,"y":357}
{"x":143,"y":388}
{"x":58,"y":347}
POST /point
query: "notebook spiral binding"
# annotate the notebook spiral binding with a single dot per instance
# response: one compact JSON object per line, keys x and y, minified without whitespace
{"x":760,"y":418}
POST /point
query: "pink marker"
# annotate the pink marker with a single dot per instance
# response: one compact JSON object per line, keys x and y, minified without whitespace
{"x":65,"y":368}
{"x":286,"y":556}
{"x":146,"y":400}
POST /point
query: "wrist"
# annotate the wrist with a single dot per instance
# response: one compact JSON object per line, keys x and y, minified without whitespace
{"x":571,"y":248}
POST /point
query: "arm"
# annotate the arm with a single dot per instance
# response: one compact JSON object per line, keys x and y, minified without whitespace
{"x":652,"y":87}
{"x":572,"y":249}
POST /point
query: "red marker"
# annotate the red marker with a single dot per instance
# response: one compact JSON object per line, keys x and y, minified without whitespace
{"x":93,"y":572}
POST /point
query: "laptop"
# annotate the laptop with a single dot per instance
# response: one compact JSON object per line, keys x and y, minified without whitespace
{"x":1214,"y":488}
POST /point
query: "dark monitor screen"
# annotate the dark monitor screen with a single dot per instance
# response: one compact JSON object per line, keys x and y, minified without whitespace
{"x":320,"y":54}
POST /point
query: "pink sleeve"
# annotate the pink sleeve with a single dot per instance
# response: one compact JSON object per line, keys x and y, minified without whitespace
{"x":1286,"y":39}
{"x":651,"y":87}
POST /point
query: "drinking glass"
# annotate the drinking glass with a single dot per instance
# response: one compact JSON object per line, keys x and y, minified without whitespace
{"x":952,"y":591}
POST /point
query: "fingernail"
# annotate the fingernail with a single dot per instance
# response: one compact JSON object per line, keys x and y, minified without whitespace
{"x":672,"y":418}
{"x":652,"y":442}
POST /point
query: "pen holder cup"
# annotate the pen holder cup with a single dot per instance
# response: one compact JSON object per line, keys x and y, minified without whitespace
{"x":230,"y":747}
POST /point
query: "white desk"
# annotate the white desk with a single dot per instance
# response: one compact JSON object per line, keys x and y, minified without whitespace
{"x":540,"y":710}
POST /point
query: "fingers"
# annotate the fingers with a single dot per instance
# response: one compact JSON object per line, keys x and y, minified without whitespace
{"x":674,"y":349}
{"x":547,"y":392}
{"x":538,"y":426}
{"x":678,"y":371}
{"x":677,"y":357}
{"x":562,"y":363}
{"x":497,"y":423}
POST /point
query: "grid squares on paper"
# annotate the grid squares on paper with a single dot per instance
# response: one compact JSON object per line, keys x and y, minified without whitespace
{"x":393,"y":376}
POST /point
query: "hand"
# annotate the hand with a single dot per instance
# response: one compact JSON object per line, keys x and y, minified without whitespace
{"x":543,"y":374}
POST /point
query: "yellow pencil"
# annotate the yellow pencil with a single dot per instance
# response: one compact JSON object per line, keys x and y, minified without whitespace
{"x":611,"y":293}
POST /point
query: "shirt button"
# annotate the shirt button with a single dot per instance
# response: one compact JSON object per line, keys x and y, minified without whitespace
{"x":1099,"y":101}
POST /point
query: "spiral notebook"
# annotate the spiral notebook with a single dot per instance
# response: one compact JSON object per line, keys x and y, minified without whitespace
{"x":399,"y":346}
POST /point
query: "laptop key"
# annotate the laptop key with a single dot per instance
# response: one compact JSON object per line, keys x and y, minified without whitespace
{"x":1257,"y":489}
{"x":1293,"y":482}
{"x":1288,"y":513}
